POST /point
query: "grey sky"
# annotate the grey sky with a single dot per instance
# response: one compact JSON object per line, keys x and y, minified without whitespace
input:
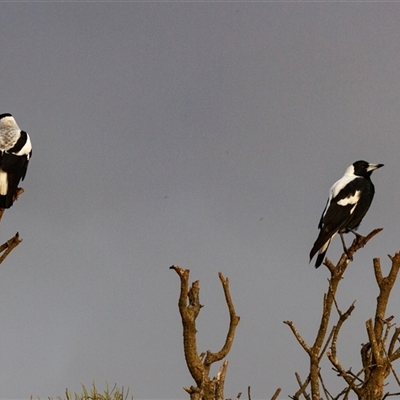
{"x":200,"y":134}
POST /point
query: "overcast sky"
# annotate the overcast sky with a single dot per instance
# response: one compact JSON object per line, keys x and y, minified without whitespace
{"x":205,"y":135}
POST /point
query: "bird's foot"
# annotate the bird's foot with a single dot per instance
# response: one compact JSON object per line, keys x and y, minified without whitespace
{"x":349,"y":256}
{"x":355,"y":233}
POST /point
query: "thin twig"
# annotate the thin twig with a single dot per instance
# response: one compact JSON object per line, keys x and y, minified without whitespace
{"x":393,"y":342}
{"x":391,"y":366}
{"x":390,"y":394}
{"x":343,"y":373}
{"x":303,"y":387}
{"x":276,"y":394}
{"x":327,"y":394}
{"x":297,"y":335}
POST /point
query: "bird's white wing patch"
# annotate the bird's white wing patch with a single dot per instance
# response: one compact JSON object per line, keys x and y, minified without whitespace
{"x":337,"y":187}
{"x":3,"y":183}
{"x":350,"y":199}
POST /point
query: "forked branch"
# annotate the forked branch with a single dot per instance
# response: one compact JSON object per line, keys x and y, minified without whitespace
{"x":199,"y":366}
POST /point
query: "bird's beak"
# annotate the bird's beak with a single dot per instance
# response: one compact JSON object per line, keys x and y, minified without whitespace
{"x":373,"y":167}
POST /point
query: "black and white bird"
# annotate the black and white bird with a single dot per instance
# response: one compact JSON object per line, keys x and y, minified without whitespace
{"x":15,"y":152}
{"x":348,"y":202}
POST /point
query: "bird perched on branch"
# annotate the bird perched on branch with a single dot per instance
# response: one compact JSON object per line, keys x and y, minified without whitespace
{"x":15,"y":152}
{"x":348,"y":202}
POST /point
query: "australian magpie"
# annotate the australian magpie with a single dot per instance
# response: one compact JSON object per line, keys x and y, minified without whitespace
{"x":348,"y":202}
{"x":15,"y":152}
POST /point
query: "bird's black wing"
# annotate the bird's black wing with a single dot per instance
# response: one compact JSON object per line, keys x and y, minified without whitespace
{"x":339,"y":212}
{"x":15,"y":167}
{"x":15,"y":163}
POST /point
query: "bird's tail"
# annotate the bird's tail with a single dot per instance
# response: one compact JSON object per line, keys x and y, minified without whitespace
{"x":321,"y":248}
{"x":321,"y":254}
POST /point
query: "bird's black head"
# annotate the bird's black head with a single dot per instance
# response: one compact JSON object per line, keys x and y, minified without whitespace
{"x":5,"y":115}
{"x":362,"y":168}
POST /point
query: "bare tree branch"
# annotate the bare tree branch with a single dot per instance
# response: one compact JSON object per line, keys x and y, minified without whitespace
{"x":375,"y":347}
{"x":360,"y":241}
{"x":9,"y":246}
{"x":220,"y":381}
{"x":342,"y":372}
{"x":276,"y":394}
{"x":298,"y":336}
{"x":326,"y":391}
{"x":336,"y":328}
{"x":385,"y":285}
{"x":234,"y":321}
{"x":393,"y":343}
{"x":321,"y":342}
{"x":390,"y":394}
{"x":199,"y":366}
{"x":391,"y":367}
{"x":189,"y":314}
{"x":303,"y":387}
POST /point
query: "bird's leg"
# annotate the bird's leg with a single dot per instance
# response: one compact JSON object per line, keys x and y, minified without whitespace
{"x":343,"y":243}
{"x":344,"y":247}
{"x":354,"y":232}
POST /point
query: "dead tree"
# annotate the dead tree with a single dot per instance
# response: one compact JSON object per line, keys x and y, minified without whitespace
{"x":377,"y":355}
{"x":199,"y":364}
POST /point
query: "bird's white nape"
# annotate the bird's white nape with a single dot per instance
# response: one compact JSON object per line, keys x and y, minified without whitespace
{"x":350,"y":171}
